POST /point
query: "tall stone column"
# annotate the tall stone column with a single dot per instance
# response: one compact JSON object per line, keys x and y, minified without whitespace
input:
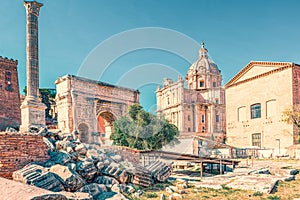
{"x":32,"y":110}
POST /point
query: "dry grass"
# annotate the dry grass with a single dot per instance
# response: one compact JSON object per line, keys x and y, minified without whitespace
{"x":285,"y":191}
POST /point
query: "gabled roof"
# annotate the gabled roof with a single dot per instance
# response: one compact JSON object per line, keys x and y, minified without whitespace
{"x":249,"y":73}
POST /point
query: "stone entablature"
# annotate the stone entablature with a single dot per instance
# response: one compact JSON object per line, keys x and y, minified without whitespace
{"x":255,"y":100}
{"x":10,"y":113}
{"x":81,"y":101}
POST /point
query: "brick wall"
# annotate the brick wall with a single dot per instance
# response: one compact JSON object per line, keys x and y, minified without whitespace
{"x":10,"y":113}
{"x":18,"y":150}
{"x":296,"y":84}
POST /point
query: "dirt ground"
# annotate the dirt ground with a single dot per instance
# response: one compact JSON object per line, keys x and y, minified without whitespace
{"x":284,"y":190}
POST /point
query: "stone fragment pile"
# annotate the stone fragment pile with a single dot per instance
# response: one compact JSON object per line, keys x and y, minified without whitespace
{"x":87,"y":168}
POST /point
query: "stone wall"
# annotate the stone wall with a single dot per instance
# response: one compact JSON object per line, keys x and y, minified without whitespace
{"x":18,"y":150}
{"x":272,"y":89}
{"x":80,"y":102}
{"x":10,"y":114}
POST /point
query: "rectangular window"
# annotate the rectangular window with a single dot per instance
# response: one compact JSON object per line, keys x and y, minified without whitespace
{"x":189,"y":129}
{"x":255,"y":111}
{"x":203,"y":118}
{"x":256,"y":139}
{"x":8,"y":76}
{"x":214,"y":84}
{"x":9,"y":88}
{"x":217,"y":118}
{"x":189,"y":118}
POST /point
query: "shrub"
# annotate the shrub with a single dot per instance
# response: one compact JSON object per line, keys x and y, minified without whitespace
{"x":151,"y":195}
{"x":257,"y":194}
{"x":273,"y":197}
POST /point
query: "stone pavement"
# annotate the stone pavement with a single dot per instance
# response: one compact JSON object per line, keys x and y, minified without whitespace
{"x":262,"y":176}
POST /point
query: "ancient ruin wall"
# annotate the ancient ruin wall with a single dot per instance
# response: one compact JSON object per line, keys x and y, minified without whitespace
{"x":10,"y":114}
{"x":18,"y":150}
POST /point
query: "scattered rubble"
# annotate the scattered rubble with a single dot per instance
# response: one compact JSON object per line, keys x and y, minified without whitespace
{"x":160,"y":170}
{"x":93,"y":189}
{"x":83,"y":168}
{"x":86,"y":171}
{"x":71,"y":179}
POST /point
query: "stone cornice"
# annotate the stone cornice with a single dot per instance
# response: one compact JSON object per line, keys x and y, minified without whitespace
{"x":169,"y":86}
{"x":169,"y":107}
{"x":68,"y":76}
{"x":234,"y":81}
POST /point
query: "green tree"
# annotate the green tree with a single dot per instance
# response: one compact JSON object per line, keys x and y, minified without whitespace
{"x":143,"y":130}
{"x":292,"y":115}
{"x":46,"y":95}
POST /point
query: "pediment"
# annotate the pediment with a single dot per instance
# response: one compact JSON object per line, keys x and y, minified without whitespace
{"x":254,"y":69}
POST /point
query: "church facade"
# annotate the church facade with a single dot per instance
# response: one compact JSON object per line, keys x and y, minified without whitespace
{"x":199,"y":108}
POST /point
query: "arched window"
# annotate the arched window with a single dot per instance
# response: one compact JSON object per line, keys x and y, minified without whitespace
{"x":203,"y":118}
{"x":203,"y":129}
{"x":8,"y":81}
{"x":271,"y":108}
{"x":201,"y":83}
{"x":241,"y":114}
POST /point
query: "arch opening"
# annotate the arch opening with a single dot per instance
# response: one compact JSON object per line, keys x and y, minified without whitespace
{"x":83,"y":131}
{"x":105,"y":124}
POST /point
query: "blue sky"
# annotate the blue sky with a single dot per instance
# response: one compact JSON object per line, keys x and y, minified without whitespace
{"x":235,"y":32}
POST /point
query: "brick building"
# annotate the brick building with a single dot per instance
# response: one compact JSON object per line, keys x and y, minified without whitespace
{"x":10,"y":114}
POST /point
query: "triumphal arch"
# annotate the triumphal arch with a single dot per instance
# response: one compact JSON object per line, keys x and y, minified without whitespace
{"x":90,"y":106}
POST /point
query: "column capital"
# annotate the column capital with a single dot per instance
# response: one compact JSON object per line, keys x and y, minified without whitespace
{"x":32,"y":7}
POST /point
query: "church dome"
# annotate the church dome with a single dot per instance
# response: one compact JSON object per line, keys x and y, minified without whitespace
{"x":204,"y":63}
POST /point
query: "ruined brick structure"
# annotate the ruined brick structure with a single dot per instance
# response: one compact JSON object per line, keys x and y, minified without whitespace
{"x":90,"y":106}
{"x":18,"y":150}
{"x":10,"y":114}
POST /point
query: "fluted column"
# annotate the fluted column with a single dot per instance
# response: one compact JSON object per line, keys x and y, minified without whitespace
{"x":32,"y":53}
{"x":32,"y":110}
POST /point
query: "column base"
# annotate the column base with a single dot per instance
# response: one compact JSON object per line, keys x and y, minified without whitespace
{"x":32,"y":113}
